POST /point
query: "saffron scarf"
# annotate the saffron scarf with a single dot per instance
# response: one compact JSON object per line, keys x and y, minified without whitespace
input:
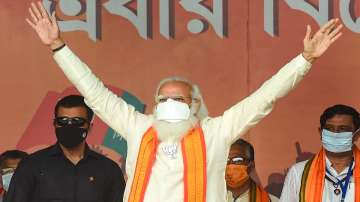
{"x":194,"y":159}
{"x":257,"y":193}
{"x":313,"y":178}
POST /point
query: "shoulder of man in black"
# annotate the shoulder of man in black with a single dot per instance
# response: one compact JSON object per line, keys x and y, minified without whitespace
{"x":114,"y":173}
{"x":54,"y":150}
{"x":25,"y":177}
{"x":104,"y":159}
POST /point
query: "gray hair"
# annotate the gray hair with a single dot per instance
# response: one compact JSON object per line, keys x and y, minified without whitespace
{"x":196,"y":96}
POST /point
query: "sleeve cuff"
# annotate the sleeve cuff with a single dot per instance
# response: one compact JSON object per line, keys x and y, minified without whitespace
{"x":302,"y":62}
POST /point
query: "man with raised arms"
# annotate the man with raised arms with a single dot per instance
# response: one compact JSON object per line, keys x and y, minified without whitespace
{"x":178,"y":153}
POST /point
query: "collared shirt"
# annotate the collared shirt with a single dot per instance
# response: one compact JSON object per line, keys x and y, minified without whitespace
{"x":48,"y":176}
{"x":166,"y":180}
{"x":290,"y":192}
{"x":245,"y":197}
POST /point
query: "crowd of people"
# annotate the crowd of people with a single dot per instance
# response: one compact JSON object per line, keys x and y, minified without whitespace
{"x":58,"y":172}
{"x":179,"y":153}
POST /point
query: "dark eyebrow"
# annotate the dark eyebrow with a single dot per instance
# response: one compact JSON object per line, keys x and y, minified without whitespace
{"x":330,"y":126}
{"x":346,"y":126}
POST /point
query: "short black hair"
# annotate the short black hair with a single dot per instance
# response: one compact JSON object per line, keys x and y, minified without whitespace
{"x":340,"y":109}
{"x":250,"y":149}
{"x":73,"y":101}
{"x":11,"y":154}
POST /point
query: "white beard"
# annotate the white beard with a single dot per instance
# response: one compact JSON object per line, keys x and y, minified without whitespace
{"x":173,"y":132}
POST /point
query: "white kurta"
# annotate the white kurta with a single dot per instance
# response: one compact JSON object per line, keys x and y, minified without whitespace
{"x":166,"y":181}
{"x":291,"y":189}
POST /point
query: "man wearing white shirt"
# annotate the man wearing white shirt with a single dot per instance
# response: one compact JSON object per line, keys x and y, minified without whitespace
{"x":178,"y":153}
{"x":332,"y":175}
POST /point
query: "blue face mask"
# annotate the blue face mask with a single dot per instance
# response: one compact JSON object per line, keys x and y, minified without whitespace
{"x":337,"y":142}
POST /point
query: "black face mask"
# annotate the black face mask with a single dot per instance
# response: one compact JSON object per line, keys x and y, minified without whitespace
{"x":70,"y":136}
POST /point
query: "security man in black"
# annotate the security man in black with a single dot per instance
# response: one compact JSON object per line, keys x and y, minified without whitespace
{"x":68,"y":171}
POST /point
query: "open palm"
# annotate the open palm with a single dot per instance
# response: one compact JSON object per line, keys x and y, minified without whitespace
{"x":45,"y":26}
{"x":316,"y":45}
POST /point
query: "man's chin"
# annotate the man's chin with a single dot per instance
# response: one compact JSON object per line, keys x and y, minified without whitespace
{"x":172,"y":131}
{"x":233,"y":185}
{"x":339,"y":154}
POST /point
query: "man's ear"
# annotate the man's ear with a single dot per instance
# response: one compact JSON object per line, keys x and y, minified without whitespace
{"x":320,"y":131}
{"x":251,"y":167}
{"x":53,"y":122}
{"x":195,"y":106}
{"x":196,"y":100}
{"x":90,"y":127}
{"x":91,"y":123}
{"x":356,"y":135}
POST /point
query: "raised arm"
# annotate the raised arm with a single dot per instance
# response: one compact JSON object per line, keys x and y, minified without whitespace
{"x":245,"y":114}
{"x":108,"y":106}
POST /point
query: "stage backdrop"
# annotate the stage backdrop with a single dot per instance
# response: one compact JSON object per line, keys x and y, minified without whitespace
{"x":228,"y":47}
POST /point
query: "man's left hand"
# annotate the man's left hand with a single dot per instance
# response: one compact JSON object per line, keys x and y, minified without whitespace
{"x":316,"y":45}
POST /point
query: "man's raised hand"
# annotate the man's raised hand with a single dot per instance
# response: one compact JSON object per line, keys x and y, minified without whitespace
{"x":44,"y":25}
{"x":315,"y":45}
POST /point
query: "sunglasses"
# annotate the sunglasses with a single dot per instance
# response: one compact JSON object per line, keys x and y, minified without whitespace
{"x":70,"y":121}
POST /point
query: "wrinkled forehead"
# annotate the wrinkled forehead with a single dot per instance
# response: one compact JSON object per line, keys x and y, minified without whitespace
{"x":175,"y":88}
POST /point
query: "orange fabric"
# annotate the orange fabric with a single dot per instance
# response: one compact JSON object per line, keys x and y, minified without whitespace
{"x":356,"y":174}
{"x":314,"y":183}
{"x":316,"y":178}
{"x":144,"y":162}
{"x":194,"y":159}
{"x":193,"y":148}
{"x":261,"y":195}
{"x":258,"y":194}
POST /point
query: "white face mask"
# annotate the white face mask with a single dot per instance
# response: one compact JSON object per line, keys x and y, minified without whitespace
{"x":6,"y":180}
{"x":172,"y":111}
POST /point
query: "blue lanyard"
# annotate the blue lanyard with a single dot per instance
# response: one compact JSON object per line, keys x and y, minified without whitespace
{"x":344,"y":186}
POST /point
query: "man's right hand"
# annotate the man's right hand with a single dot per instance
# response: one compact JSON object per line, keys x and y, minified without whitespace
{"x":45,"y":26}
